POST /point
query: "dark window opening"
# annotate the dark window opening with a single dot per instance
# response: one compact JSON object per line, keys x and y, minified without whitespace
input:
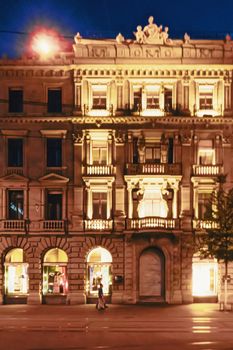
{"x":153,"y":154}
{"x":55,"y":100}
{"x":54,"y":152}
{"x":170,"y":151}
{"x":168,"y":100}
{"x":15,"y":153}
{"x":15,"y":100}
{"x":54,"y":206}
{"x":15,"y":205}
{"x":137,"y":100}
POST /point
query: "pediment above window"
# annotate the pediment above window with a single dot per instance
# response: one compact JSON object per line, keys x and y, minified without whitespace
{"x":54,"y":179}
{"x":14,"y":178}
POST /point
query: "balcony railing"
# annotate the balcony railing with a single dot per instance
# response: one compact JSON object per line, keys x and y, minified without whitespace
{"x":207,"y":170}
{"x":98,"y":225}
{"x":152,"y":222}
{"x":54,"y":225}
{"x":204,"y":224}
{"x":99,"y":170}
{"x":14,"y":170}
{"x":13,"y":225}
{"x":151,"y":168}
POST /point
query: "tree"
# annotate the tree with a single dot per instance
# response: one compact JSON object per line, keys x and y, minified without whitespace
{"x":217,"y":242}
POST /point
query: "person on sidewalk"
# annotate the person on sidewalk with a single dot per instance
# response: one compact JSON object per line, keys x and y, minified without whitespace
{"x":101,"y":305}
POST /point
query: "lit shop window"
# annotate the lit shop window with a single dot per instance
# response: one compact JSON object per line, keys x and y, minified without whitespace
{"x":16,"y":272}
{"x":55,"y":272}
{"x":205,"y":277}
{"x":99,"y":263}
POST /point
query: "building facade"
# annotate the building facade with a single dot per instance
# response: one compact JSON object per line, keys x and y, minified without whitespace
{"x":108,"y":156}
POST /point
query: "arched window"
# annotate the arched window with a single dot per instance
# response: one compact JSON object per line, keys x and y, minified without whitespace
{"x":16,"y":272}
{"x":99,"y":263}
{"x":55,"y":272}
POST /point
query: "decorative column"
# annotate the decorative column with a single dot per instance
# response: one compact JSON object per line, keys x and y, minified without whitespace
{"x":89,"y":204}
{"x":109,"y":200}
{"x":174,"y":202}
{"x":130,"y":201}
{"x":110,"y":140}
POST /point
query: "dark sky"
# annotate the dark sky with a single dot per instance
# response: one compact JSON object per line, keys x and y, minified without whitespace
{"x":106,"y":18}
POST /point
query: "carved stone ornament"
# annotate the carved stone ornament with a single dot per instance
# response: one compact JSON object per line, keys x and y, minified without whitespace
{"x":77,"y":137}
{"x":152,"y":34}
{"x":77,"y":38}
{"x":120,"y":39}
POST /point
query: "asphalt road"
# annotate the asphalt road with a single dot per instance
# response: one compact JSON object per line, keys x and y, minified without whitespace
{"x":139,"y":327}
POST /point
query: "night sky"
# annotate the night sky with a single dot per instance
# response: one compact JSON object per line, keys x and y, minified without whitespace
{"x":106,"y":18}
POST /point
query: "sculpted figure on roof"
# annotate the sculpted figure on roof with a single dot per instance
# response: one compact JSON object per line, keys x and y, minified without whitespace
{"x":152,"y":34}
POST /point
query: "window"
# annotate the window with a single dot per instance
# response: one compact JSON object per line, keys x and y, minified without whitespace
{"x":153,"y":154}
{"x":54,"y":100}
{"x":54,"y":152}
{"x":206,"y":154}
{"x":137,"y":99}
{"x":15,"y":100}
{"x":15,"y":205}
{"x":152,"y":99}
{"x":170,"y":151}
{"x":99,"y":205}
{"x":15,"y":152}
{"x":99,"y":154}
{"x":99,"y":97}
{"x":206,"y":97}
{"x":168,"y":100}
{"x":204,"y":205}
{"x":54,"y":206}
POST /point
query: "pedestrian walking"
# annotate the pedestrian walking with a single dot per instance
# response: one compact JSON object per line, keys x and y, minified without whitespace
{"x":101,"y":305}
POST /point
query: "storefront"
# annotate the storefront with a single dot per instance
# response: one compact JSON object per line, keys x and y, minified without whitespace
{"x":99,"y":270}
{"x":16,"y":277}
{"x":204,"y":279}
{"x":55,"y":283}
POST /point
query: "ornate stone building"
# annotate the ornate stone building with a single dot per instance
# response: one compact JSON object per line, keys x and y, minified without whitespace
{"x":108,"y":156}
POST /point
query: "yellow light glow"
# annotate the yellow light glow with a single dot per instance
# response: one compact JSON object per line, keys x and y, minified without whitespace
{"x":45,"y":44}
{"x":204,"y":279}
{"x":152,"y":113}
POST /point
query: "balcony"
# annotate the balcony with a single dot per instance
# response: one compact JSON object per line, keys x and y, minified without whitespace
{"x":204,"y":224}
{"x":53,"y":225}
{"x":99,"y":170}
{"x":13,"y":225}
{"x":98,"y":225}
{"x":207,"y":170}
{"x":14,"y":170}
{"x":153,"y":169}
{"x":152,"y":222}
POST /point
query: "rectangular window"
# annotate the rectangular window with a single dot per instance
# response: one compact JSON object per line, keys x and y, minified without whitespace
{"x":206,"y":152}
{"x":153,"y":154}
{"x":167,"y":100}
{"x":99,"y":205}
{"x":170,"y":151}
{"x":54,"y":100}
{"x":137,"y":99}
{"x":152,"y":99}
{"x":99,"y":97}
{"x":15,"y":205}
{"x":99,"y":155}
{"x":206,"y":97}
{"x":15,"y":152}
{"x":15,"y":100}
{"x":204,"y":205}
{"x":54,"y":206}
{"x":54,"y":152}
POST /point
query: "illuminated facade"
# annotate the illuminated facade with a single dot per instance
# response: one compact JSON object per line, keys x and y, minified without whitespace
{"x":108,"y":156}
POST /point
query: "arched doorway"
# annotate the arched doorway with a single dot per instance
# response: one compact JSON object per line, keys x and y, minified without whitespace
{"x":204,"y":279}
{"x":99,"y":270}
{"x":152,"y":275}
{"x":55,"y":283}
{"x":16,"y":277}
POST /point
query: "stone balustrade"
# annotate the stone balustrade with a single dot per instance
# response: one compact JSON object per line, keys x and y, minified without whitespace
{"x":151,"y":222}
{"x":98,"y":225}
{"x":207,"y":170}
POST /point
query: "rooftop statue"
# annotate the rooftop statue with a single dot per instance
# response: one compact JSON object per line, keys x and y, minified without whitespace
{"x":152,"y":34}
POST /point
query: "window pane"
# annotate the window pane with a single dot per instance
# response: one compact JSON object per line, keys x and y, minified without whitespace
{"x":168,"y":100}
{"x":54,"y":152}
{"x":15,"y":152}
{"x":100,"y":205}
{"x":54,"y":100}
{"x":54,"y":206}
{"x":152,"y":100}
{"x":99,"y":99}
{"x":15,"y":100}
{"x":15,"y":205}
{"x":204,"y":205}
{"x":137,"y":98}
{"x":206,"y":100}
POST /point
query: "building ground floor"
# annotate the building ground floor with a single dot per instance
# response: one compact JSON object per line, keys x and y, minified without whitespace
{"x":132,"y":268}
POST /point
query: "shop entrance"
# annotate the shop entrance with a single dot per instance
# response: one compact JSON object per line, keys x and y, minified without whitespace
{"x":205,"y":279}
{"x":99,"y":270}
{"x":16,"y":277}
{"x":55,"y":283}
{"x":151,"y":276}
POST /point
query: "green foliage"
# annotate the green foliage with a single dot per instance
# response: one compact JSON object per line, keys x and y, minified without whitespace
{"x":217,"y":242}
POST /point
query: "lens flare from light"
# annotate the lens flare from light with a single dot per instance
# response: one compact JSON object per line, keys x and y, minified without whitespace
{"x":45,"y":44}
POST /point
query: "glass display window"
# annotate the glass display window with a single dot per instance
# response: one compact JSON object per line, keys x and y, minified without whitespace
{"x":205,"y":277}
{"x":99,"y":270}
{"x":16,"y":273}
{"x":55,"y":272}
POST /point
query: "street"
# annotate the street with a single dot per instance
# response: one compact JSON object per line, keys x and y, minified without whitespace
{"x":196,"y":326}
